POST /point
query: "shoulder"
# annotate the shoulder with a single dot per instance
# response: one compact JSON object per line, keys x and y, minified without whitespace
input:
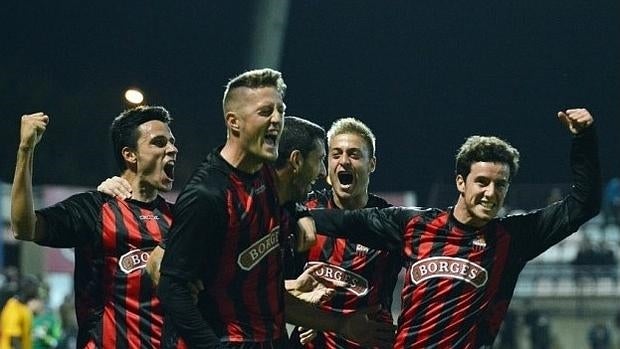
{"x":318,"y":198}
{"x":377,"y":201}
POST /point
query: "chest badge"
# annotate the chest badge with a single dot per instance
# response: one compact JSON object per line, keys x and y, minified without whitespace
{"x":479,"y":243}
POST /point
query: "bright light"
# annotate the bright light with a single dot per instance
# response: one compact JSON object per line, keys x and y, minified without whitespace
{"x":134,"y":96}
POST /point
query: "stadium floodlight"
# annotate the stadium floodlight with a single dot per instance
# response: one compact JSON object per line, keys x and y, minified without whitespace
{"x":134,"y":96}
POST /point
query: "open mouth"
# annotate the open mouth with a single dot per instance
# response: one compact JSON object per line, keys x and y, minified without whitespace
{"x":487,"y":205}
{"x":345,"y":177}
{"x":169,"y":169}
{"x":271,"y":138}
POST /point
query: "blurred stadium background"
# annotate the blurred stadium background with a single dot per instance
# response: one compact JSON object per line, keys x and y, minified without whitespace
{"x":423,"y":75}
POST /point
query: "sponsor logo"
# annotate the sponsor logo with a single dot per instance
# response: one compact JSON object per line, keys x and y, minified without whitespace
{"x":356,"y":283}
{"x":133,"y":260}
{"x":259,"y":189}
{"x":448,"y":267}
{"x":149,"y":217}
{"x":255,"y":253}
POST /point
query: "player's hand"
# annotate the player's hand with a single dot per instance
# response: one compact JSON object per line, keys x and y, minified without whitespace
{"x":32,"y":128}
{"x":360,"y":328}
{"x":576,"y":120}
{"x":312,"y":289}
{"x":306,"y":234}
{"x":306,"y":336}
{"x":116,"y":186}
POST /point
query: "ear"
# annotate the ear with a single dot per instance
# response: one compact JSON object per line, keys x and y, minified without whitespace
{"x":460,"y":183}
{"x":129,"y":155}
{"x":232,"y":121}
{"x":373,"y":164}
{"x":296,"y":160}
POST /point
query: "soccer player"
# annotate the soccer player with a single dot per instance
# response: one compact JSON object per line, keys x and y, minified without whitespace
{"x":300,"y":163}
{"x":370,"y":273}
{"x":463,"y":263}
{"x":115,"y":302}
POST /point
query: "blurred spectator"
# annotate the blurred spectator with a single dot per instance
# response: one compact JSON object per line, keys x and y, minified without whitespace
{"x":16,"y":316}
{"x":555,"y":195}
{"x":46,"y":327}
{"x":540,"y":329}
{"x":68,"y":320}
{"x":508,"y":332}
{"x":599,"y":337}
{"x":611,"y":202}
{"x":585,"y":259}
{"x":10,"y":284}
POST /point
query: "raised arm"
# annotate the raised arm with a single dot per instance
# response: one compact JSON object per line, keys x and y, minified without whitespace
{"x":541,"y":229}
{"x":585,"y":196}
{"x":24,"y":221}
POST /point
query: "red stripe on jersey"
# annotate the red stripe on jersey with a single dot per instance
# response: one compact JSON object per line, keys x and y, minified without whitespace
{"x":315,"y":251}
{"x":109,"y":241}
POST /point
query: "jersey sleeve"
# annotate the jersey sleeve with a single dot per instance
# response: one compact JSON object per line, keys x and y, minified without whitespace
{"x":71,"y":222}
{"x":199,"y":222}
{"x":374,"y":227}
{"x":540,"y":229}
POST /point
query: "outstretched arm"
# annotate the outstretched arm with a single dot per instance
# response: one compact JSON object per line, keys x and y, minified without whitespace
{"x":380,"y":228}
{"x":24,"y":221}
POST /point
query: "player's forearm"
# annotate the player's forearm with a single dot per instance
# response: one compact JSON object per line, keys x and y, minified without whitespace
{"x":587,"y":185}
{"x":303,"y":314}
{"x":179,"y":307}
{"x":23,"y":217}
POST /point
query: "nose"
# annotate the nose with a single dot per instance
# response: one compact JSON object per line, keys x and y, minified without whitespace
{"x":277,"y":116}
{"x":490,"y":190}
{"x":322,"y":170}
{"x":344,"y":159}
{"x":171,"y":148}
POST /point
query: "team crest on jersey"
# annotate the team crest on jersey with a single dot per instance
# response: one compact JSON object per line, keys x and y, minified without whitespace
{"x":356,"y":283}
{"x":361,"y":250}
{"x":449,"y":267}
{"x":258,"y":250}
{"x":479,"y":243}
{"x":133,"y":260}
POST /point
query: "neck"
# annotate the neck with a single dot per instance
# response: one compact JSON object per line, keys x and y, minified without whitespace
{"x":283,"y":179}
{"x":462,"y":215}
{"x":352,"y":202}
{"x":141,"y":190}
{"x":238,"y":158}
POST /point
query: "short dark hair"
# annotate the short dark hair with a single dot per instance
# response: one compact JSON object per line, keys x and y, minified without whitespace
{"x":486,"y":149}
{"x":298,"y":134}
{"x":124,"y":128}
{"x":265,"y":77}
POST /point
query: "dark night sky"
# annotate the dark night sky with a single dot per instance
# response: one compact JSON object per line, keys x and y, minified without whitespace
{"x":422,"y":74}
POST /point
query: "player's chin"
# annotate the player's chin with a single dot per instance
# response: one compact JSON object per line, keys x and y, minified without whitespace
{"x":165,"y":186}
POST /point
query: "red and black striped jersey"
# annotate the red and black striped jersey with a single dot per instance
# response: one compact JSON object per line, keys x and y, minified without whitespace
{"x":460,"y":279}
{"x":226,"y":232}
{"x":370,"y":273}
{"x":115,"y":300}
